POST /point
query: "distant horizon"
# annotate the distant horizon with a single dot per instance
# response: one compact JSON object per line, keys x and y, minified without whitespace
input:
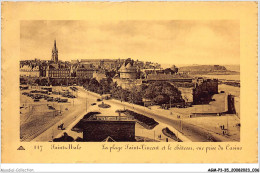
{"x":165,"y":64}
{"x":182,"y":65}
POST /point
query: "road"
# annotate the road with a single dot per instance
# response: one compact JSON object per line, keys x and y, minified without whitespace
{"x":190,"y":131}
{"x":82,"y":106}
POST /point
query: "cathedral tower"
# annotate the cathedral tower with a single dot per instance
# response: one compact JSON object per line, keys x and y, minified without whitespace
{"x":54,"y":53}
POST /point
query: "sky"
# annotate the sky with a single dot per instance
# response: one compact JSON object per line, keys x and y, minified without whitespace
{"x":162,"y":41}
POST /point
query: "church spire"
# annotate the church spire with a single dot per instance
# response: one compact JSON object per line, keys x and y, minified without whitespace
{"x":55,"y":53}
{"x":55,"y":43}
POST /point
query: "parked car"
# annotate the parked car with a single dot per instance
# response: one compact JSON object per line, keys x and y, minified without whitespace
{"x":63,"y":100}
{"x":51,"y":107}
{"x":36,"y":100}
{"x":50,"y":99}
{"x":44,"y":92}
{"x":72,"y":88}
{"x":37,"y":96}
{"x":47,"y":88}
{"x":24,"y":93}
{"x":57,"y":99}
{"x":24,"y":87}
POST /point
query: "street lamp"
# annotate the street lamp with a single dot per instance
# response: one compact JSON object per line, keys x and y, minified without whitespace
{"x":170,"y":102}
{"x":227,"y":124}
{"x":86,"y":104}
{"x":180,"y":123}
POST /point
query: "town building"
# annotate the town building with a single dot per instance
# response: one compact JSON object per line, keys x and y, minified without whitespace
{"x":151,"y":65}
{"x":74,"y":61}
{"x":94,"y":62}
{"x":105,"y":64}
{"x":84,"y":71}
{"x":30,"y":71}
{"x":58,"y":71}
{"x":99,"y":128}
{"x":129,"y":74}
{"x":99,"y":75}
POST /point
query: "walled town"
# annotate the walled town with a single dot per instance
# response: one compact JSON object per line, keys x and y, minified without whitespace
{"x":123,"y":100}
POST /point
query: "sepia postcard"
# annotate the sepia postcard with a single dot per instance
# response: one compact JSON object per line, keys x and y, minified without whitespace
{"x":129,"y":82}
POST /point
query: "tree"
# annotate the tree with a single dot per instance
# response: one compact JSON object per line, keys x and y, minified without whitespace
{"x":129,"y":60}
{"x":162,"y":99}
{"x":86,"y":83}
{"x":124,"y":95}
{"x":174,"y":69}
{"x":63,"y":82}
{"x":104,"y":86}
{"x":23,"y":80}
{"x":135,"y":95}
{"x":163,"y":88}
{"x":93,"y":85}
{"x":141,"y":88}
{"x":44,"y":82}
{"x":153,"y":90}
{"x":119,"y":93}
{"x":168,"y":71}
{"x":110,"y":74}
{"x":53,"y":82}
{"x":37,"y":81}
{"x":114,"y":90}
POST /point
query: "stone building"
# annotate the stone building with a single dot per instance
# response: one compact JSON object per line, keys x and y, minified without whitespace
{"x":106,"y":64}
{"x":195,"y":91}
{"x":99,"y":75}
{"x":128,"y":71}
{"x":127,"y":83}
{"x":30,"y":71}
{"x":99,"y":128}
{"x":58,"y":71}
{"x":199,"y":91}
{"x":84,"y":71}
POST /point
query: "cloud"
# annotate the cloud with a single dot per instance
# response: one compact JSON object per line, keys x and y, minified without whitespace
{"x":179,"y":41}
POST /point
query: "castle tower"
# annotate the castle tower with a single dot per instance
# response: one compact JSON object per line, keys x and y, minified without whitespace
{"x":54,"y":53}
